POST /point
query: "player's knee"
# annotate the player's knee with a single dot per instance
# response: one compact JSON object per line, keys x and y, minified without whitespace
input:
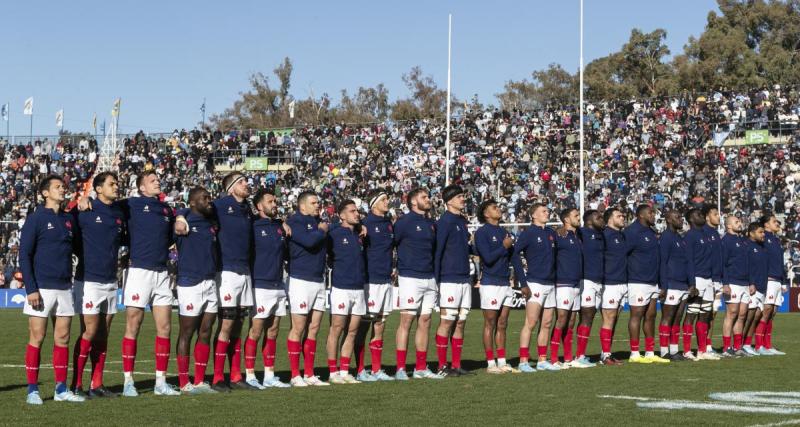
{"x":502,"y":324}
{"x":448,"y":315}
{"x":425,"y":320}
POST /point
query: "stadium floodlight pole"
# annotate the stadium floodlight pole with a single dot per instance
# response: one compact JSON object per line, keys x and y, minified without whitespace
{"x":581,"y":182}
{"x":447,"y":137}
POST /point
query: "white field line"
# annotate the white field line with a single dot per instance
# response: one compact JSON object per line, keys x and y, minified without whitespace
{"x":778,"y":424}
{"x":685,"y":404}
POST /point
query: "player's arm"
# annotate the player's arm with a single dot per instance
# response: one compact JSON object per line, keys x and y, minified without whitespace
{"x":516,"y":260}
{"x":27,"y":248}
{"x":181,"y":227}
{"x":483,"y":248}
{"x":307,"y":239}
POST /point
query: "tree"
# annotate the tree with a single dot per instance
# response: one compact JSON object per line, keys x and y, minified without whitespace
{"x":643,"y":65}
{"x":427,"y":100}
{"x":553,"y":85}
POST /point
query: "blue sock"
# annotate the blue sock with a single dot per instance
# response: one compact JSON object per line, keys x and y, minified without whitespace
{"x":61,"y":387}
{"x":32,"y":388}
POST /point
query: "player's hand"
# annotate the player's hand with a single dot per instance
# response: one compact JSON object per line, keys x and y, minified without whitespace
{"x":323,"y":226}
{"x":508,"y":242}
{"x":752,"y":289}
{"x":287,"y":230}
{"x":726,"y":289}
{"x":181,"y":227}
{"x":85,"y":203}
{"x":526,"y":292}
{"x":561,"y":231}
{"x":35,"y":301}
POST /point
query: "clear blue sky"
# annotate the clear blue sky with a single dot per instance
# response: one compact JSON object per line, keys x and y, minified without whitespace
{"x":163,"y":57}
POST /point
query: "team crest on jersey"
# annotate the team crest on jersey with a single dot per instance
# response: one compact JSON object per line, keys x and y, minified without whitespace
{"x":50,"y":226}
{"x":458,"y":228}
{"x":418,"y":228}
{"x":538,"y":240}
{"x":737,"y":244}
{"x":98,"y":220}
{"x":616,"y":241}
{"x":494,"y":239}
{"x":571,"y":242}
{"x":678,"y":244}
{"x":646,"y":239}
{"x":194,"y":229}
{"x":230,"y":209}
{"x":755,"y":251}
{"x":118,"y":221}
{"x":377,"y":229}
{"x":345,"y":242}
{"x":146,"y":208}
{"x":263,"y":233}
{"x":308,"y":226}
{"x":702,"y":242}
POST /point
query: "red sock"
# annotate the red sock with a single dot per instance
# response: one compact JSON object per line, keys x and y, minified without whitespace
{"x":634,"y":345}
{"x":583,"y":339}
{"x":555,"y":340}
{"x":80,"y":355}
{"x":726,"y":342}
{"x":768,"y":335}
{"x":332,"y":367}
{"x":360,"y":350}
{"x":375,"y":350}
{"x":649,"y":343}
{"x":541,"y":350}
{"x":688,"y":329}
{"x":737,"y":341}
{"x":605,"y":340}
{"x":748,"y":340}
{"x":162,"y":353}
{"x":60,"y":363}
{"x":268,"y":352}
{"x":501,"y":353}
{"x":293,"y":349}
{"x":128,"y":354}
{"x":201,"y":353}
{"x":524,"y":353}
{"x":422,"y":360}
{"x":309,"y":350}
{"x":489,"y":355}
{"x":762,"y":326}
{"x":675,"y":335}
{"x":98,"y":356}
{"x":441,"y":350}
{"x":235,"y":358}
{"x":663,"y":335}
{"x":458,"y":345}
{"x":702,"y":335}
{"x":344,"y":364}
{"x":183,"y":370}
{"x":220,"y":353}
{"x":401,"y":359}
{"x":567,"y":342}
{"x":250,"y":349}
{"x":32,"y":360}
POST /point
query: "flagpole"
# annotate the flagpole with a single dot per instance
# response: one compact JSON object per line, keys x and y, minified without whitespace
{"x":447,"y":140}
{"x":8,"y":122}
{"x":31,"y":140}
{"x":582,"y":184}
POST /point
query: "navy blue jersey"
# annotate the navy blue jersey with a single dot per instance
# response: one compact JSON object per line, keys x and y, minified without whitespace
{"x":538,"y":245}
{"x":451,"y":261}
{"x":643,"y":259}
{"x":346,"y":257}
{"x":716,"y":252}
{"x":379,"y":248}
{"x":593,"y":247}
{"x":269,"y":253}
{"x":495,"y":258}
{"x":569,"y":259}
{"x":150,"y":226}
{"x":700,"y":254}
{"x":198,"y":251}
{"x":615,"y":257}
{"x":235,"y":221}
{"x":772,"y":244}
{"x":758,"y":265}
{"x":306,"y":248}
{"x":45,"y":250}
{"x":101,"y":232}
{"x":675,"y":265}
{"x":735,"y":258}
{"x":415,"y":237}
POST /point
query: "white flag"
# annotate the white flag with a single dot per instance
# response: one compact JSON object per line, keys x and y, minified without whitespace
{"x":60,"y":118}
{"x":4,"y":111}
{"x":28,"y":109}
{"x":291,"y":109}
{"x":115,"y":110}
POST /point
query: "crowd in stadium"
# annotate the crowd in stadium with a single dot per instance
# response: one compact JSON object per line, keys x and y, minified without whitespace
{"x":637,"y":151}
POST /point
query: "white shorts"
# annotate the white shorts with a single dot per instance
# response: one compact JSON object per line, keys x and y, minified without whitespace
{"x":379,"y":298}
{"x":640,"y":294}
{"x":773,"y":293}
{"x":419,"y":295}
{"x":717,"y":288}
{"x":675,"y":296}
{"x":198,"y":299}
{"x":55,"y":302}
{"x":455,"y":295}
{"x":94,"y":297}
{"x":494,"y":297}
{"x":305,"y":296}
{"x":613,"y":296}
{"x":591,"y":294}
{"x":348,"y":302}
{"x":269,"y":302}
{"x":568,"y":298}
{"x":544,"y":295}
{"x":705,"y":289}
{"x":235,"y":290}
{"x":739,"y":295}
{"x":756,"y":301}
{"x":143,"y":287}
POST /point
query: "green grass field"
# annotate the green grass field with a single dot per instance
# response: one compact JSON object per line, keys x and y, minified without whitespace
{"x":570,"y":397}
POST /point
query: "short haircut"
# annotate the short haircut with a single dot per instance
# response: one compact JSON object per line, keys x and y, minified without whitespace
{"x":691,"y":212}
{"x":609,"y":212}
{"x":304,"y":195}
{"x":641,"y":208}
{"x":753,"y":226}
{"x":414,"y":193}
{"x":344,"y":204}
{"x":101,"y":178}
{"x":143,"y":175}
{"x":707,"y":208}
{"x":228,"y":180}
{"x":482,"y":209}
{"x":565,"y":213}
{"x":536,"y":206}
{"x":44,"y":184}
{"x":196,"y":192}
{"x":588,"y":214}
{"x":451,"y":191}
{"x":766,"y":217}
{"x":261,"y":193}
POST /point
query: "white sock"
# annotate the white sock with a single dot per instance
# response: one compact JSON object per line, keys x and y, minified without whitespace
{"x":268,"y":373}
{"x":673,"y":348}
{"x":635,"y":354}
{"x":161,"y":378}
{"x":709,"y":348}
{"x":490,"y":363}
{"x":128,"y":376}
{"x":664,"y":351}
{"x":501,"y":361}
{"x":249,"y":374}
{"x":605,"y":355}
{"x":649,"y":354}
{"x":343,"y":373}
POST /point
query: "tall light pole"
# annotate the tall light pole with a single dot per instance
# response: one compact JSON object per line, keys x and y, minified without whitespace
{"x":447,"y":137}
{"x":581,"y":184}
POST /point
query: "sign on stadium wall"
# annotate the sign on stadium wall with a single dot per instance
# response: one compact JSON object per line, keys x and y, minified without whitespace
{"x":256,"y":163}
{"x":756,"y":137}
